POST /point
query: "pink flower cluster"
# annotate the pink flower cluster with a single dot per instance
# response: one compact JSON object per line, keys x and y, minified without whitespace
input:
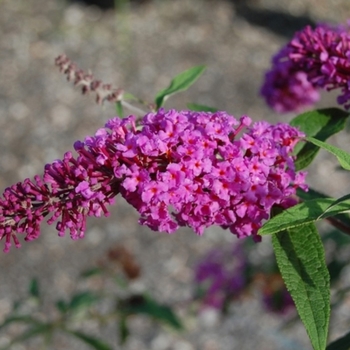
{"x":177,"y":168}
{"x":314,"y":59}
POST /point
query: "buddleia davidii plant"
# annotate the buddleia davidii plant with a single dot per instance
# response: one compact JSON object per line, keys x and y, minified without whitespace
{"x":314,"y":59}
{"x":190,"y":168}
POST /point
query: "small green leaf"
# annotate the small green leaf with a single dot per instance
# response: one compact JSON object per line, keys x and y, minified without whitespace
{"x":14,"y":319}
{"x":342,"y":156}
{"x":342,"y":343}
{"x":141,"y":304}
{"x":119,"y":109}
{"x":180,"y":83}
{"x":301,"y":260}
{"x":38,"y":329}
{"x":92,"y":341}
{"x":62,"y":306}
{"x":320,"y":124}
{"x":130,"y":97}
{"x":91,"y":272}
{"x":34,"y":288}
{"x":82,"y":300}
{"x":123,"y":330}
{"x":201,"y":108}
{"x":301,"y":214}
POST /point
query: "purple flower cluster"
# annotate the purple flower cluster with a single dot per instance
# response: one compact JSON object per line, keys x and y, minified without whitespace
{"x":177,"y":168}
{"x":225,"y":274}
{"x":314,"y":59}
{"x":221,"y":276}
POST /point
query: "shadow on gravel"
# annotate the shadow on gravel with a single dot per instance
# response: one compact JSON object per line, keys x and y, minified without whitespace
{"x":281,"y":23}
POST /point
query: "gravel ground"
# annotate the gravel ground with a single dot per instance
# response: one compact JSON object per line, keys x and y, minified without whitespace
{"x":140,"y":50}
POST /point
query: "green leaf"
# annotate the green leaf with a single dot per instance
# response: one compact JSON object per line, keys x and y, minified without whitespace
{"x":13,"y":319}
{"x":342,"y":156}
{"x":82,"y":300}
{"x":130,"y":97}
{"x":123,"y":330}
{"x":201,"y":108}
{"x":306,"y":155}
{"x":342,"y":343}
{"x":38,"y":329}
{"x":301,"y":214}
{"x":313,"y":194}
{"x":310,"y":194}
{"x":324,"y":122}
{"x":141,"y":304}
{"x":33,"y":288}
{"x":180,"y":83}
{"x":119,"y":109}
{"x":320,"y":124}
{"x":92,"y":341}
{"x":91,"y":272}
{"x":339,"y":200}
{"x":301,"y":260}
{"x":62,"y":306}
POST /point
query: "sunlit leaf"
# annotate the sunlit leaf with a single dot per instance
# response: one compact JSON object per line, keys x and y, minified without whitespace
{"x":304,"y":213}
{"x":313,"y":194}
{"x":321,"y":124}
{"x":180,"y":83}
{"x":342,"y":156}
{"x":201,"y":108}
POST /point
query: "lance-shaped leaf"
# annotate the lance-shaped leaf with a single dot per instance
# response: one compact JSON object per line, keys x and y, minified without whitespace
{"x":200,"y":108}
{"x":301,"y":260}
{"x":180,"y":83}
{"x":82,"y":300}
{"x":119,"y":109}
{"x":320,"y":124}
{"x":304,"y":213}
{"x":339,"y":200}
{"x":123,"y":329}
{"x":33,"y":288}
{"x":342,"y":156}
{"x":90,"y":340}
{"x":16,"y":319}
{"x":35,"y":330}
{"x":344,"y":219}
{"x":142,"y":304}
